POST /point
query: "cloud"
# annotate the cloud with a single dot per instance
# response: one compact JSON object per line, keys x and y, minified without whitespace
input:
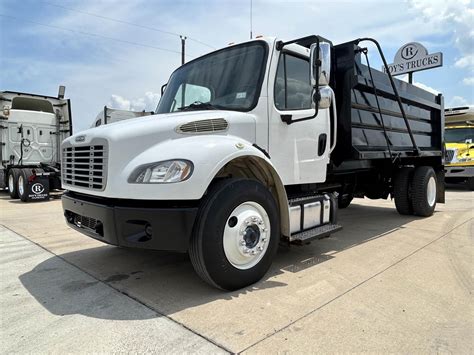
{"x":421,"y":85}
{"x":457,"y":101}
{"x":148,"y":102}
{"x":455,"y":17}
{"x":468,"y":81}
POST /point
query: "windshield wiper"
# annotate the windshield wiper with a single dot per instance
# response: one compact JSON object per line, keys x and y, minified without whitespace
{"x":198,"y":105}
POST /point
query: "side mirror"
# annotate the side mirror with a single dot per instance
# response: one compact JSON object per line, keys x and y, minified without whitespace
{"x":325,"y":97}
{"x":163,"y":87}
{"x":325,"y":67}
{"x":314,"y":64}
{"x":320,"y":69}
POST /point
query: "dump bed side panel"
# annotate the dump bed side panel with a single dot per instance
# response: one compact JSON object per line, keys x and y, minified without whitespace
{"x":361,"y":133}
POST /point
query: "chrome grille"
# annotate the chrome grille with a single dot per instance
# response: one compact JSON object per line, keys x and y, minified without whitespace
{"x":84,"y":166}
{"x":204,"y":126}
{"x":450,"y":155}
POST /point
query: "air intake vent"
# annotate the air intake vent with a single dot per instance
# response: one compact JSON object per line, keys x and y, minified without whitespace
{"x":204,"y":126}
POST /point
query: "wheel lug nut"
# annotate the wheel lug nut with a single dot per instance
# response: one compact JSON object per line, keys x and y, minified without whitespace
{"x":242,"y":242}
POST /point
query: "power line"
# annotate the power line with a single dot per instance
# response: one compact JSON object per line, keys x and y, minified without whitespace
{"x":94,"y":35}
{"x":127,"y":23}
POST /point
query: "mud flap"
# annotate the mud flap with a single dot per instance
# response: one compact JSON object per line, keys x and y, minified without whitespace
{"x":38,"y":189}
{"x":440,"y":186}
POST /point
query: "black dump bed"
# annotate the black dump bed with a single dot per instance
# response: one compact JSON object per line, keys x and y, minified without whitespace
{"x":361,"y":133}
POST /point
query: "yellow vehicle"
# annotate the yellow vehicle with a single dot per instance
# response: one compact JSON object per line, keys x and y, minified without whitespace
{"x":459,"y":138}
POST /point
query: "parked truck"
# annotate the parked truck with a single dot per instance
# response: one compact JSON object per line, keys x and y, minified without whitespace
{"x":460,"y":145}
{"x":32,"y":128}
{"x":111,"y":115}
{"x":252,"y":144}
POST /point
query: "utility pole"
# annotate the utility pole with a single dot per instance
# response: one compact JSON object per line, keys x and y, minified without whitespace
{"x":251,"y":35}
{"x":183,"y":49}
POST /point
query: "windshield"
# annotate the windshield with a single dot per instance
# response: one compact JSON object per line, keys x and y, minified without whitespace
{"x":459,"y":135}
{"x":229,"y":79}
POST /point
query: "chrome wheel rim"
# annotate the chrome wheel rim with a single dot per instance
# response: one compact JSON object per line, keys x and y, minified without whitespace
{"x":246,"y":235}
{"x":431,"y":191}
{"x":20,"y":185}
{"x":11,"y":183}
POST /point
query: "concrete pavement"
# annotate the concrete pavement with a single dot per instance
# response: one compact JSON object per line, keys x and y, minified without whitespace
{"x":71,"y":311}
{"x":386,"y":283}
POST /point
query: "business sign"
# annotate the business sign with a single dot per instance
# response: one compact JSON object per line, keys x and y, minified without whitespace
{"x":413,"y":57}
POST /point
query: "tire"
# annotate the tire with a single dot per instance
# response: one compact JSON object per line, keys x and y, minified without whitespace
{"x":402,"y":189}
{"x":344,"y":201}
{"x":12,"y":182}
{"x":424,"y":191}
{"x":470,"y":183}
{"x":236,"y":218}
{"x":22,"y":185}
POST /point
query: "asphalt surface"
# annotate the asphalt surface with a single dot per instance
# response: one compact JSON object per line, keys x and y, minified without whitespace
{"x":386,"y":283}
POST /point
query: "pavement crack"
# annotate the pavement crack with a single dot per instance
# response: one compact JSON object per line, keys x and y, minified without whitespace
{"x":355,"y":286}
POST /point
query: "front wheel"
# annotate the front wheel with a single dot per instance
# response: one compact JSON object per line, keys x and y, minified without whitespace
{"x":236,"y":234}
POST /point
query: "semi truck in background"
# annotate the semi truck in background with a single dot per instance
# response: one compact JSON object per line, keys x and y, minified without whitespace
{"x":252,"y":144}
{"x":111,"y":115}
{"x":459,"y":138}
{"x":32,"y":128}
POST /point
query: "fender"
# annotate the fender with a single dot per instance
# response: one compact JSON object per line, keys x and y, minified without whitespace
{"x":209,"y":154}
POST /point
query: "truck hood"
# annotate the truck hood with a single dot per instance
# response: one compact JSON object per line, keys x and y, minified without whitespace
{"x":142,"y":132}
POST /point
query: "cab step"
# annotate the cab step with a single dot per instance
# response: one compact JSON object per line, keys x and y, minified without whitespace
{"x":315,"y":233}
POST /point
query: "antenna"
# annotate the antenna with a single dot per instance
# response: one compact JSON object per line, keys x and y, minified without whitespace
{"x":251,"y":19}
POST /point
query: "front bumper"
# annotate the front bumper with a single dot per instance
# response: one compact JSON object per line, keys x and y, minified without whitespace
{"x":129,"y":224}
{"x":459,"y":171}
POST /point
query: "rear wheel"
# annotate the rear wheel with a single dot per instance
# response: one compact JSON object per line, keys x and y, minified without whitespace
{"x":23,"y":179}
{"x":236,"y":234}
{"x":12,"y":180}
{"x":401,"y":191}
{"x":424,"y":187}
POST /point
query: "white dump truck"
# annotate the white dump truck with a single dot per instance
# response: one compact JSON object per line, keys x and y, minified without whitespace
{"x":110,"y":115}
{"x":253,"y":144}
{"x":32,"y":128}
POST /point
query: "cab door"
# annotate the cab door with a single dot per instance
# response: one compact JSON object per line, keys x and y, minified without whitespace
{"x":300,"y":150}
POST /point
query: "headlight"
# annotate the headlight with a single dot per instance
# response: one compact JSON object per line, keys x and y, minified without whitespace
{"x":168,"y":171}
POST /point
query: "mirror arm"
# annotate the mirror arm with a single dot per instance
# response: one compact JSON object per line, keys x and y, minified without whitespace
{"x":288,"y":119}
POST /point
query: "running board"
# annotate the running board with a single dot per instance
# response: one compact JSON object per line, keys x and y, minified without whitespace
{"x":315,"y":233}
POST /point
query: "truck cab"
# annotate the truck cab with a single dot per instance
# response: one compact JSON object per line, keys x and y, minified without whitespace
{"x":459,"y":137}
{"x":32,"y":128}
{"x":239,"y":156}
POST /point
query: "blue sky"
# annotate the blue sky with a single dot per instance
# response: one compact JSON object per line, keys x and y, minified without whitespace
{"x":113,"y":71}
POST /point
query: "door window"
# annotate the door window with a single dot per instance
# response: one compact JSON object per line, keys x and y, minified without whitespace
{"x":293,"y":85}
